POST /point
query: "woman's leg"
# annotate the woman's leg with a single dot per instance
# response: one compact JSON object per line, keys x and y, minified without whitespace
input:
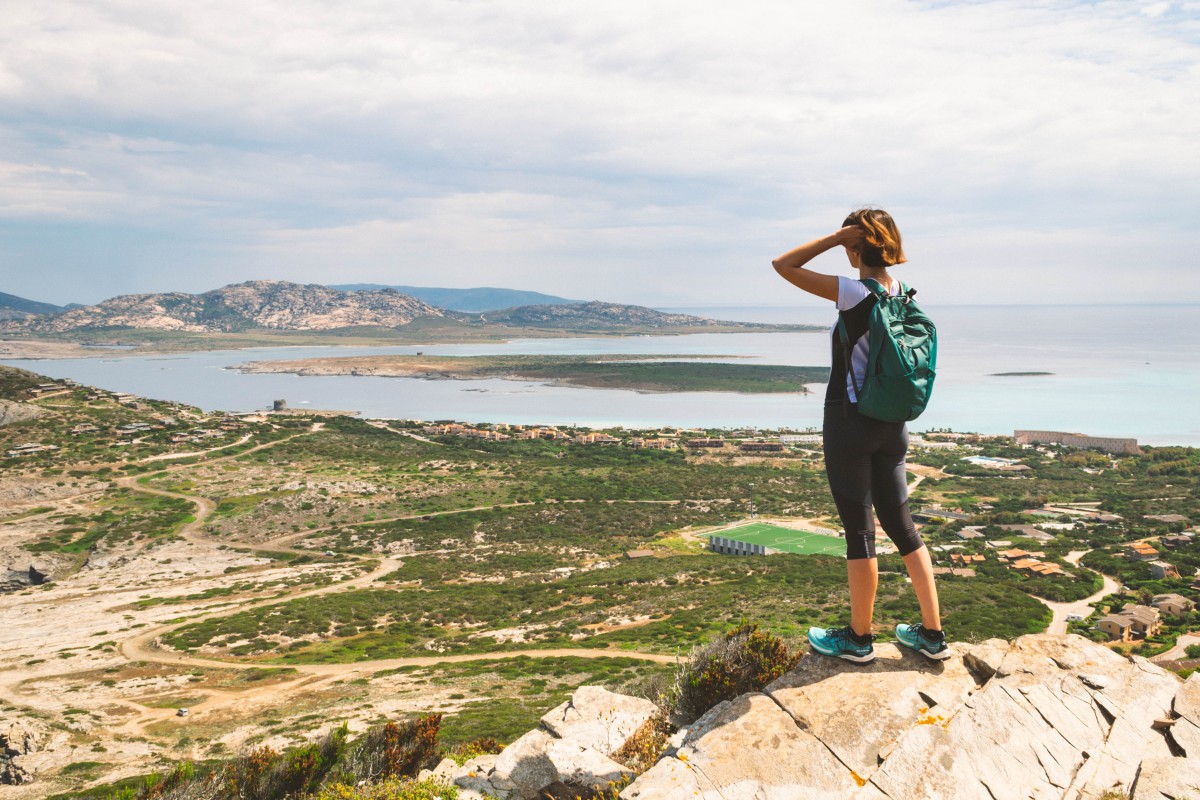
{"x":864,"y":579}
{"x":920,"y":569}
{"x":889,"y":487}
{"x":848,"y":468}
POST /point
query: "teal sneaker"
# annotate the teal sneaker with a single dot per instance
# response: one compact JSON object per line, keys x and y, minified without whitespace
{"x":919,"y":638}
{"x":838,"y":642}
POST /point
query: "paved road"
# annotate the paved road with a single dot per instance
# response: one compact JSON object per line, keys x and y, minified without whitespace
{"x":1184,"y":640}
{"x":1058,"y":622}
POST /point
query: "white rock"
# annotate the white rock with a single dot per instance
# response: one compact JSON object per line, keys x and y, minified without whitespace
{"x":860,"y":711}
{"x":1187,"y":700}
{"x":598,"y":719}
{"x":538,"y":759}
{"x":751,"y":749}
{"x":1167,"y":779}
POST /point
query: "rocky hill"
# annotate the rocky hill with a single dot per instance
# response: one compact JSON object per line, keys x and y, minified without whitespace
{"x":1040,"y":717}
{"x":480,"y":298}
{"x":255,"y":304}
{"x":280,"y":305}
{"x":598,"y":315}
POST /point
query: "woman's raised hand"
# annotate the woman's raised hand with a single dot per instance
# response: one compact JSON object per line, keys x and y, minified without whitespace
{"x":850,"y":236}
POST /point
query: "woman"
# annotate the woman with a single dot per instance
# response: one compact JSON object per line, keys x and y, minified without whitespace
{"x":864,"y":457}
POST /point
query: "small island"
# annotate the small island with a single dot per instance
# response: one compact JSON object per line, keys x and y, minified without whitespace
{"x":1016,"y":374}
{"x":643,"y":373}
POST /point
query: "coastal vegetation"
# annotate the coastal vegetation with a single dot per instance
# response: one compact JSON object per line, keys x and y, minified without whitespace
{"x":649,"y":373}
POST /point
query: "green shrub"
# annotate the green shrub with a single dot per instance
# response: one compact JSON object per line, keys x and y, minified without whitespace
{"x":742,"y":660}
{"x":462,"y":753}
{"x":391,"y":789}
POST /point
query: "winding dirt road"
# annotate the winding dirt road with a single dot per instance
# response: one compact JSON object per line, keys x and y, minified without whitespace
{"x":143,"y":647}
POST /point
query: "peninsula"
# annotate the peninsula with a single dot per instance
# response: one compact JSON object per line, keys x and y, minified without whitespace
{"x":644,"y":373}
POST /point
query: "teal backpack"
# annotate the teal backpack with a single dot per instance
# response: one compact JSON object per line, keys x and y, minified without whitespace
{"x":902,"y":360}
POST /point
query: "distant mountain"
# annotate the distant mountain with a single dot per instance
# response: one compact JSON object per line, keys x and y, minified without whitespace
{"x":255,"y":304}
{"x":281,"y":305}
{"x":483,"y":298}
{"x":13,"y":307}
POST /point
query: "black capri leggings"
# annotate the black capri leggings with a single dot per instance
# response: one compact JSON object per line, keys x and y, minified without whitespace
{"x":864,"y":461}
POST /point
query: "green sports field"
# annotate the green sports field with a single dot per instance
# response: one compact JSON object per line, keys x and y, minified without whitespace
{"x":786,"y":540}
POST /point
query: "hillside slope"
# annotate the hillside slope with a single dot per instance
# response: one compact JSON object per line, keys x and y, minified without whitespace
{"x":480,"y":298}
{"x":254,"y":304}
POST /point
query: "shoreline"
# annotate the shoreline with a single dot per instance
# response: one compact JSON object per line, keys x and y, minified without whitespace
{"x":553,"y":370}
{"x":144,"y":341}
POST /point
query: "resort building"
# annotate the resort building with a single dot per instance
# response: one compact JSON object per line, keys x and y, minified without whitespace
{"x":1016,"y":553}
{"x":1141,"y":551}
{"x":594,"y":438}
{"x":801,"y":438}
{"x":714,"y":443}
{"x":1108,"y":444}
{"x":991,"y":462}
{"x":1174,"y":604}
{"x":1118,"y":628}
{"x":937,"y":514}
{"x":540,"y":433}
{"x":652,"y":444}
{"x":1161,"y":570}
{"x":733,"y":547}
{"x":1175,"y":541}
{"x":761,"y":447}
{"x":1134,"y":622}
{"x":921,"y":442}
{"x":29,"y":449}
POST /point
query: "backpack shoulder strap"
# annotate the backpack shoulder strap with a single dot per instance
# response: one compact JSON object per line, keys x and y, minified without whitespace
{"x":874,"y":286}
{"x":848,"y":357}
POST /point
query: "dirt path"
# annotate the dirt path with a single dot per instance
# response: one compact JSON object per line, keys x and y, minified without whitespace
{"x":144,"y":646}
{"x":169,"y":456}
{"x":409,"y":434}
{"x":927,"y":472}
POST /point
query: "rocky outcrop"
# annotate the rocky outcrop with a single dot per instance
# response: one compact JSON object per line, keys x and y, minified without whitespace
{"x":11,"y":411}
{"x":1041,"y":717}
{"x":17,"y":740}
{"x":571,"y":748}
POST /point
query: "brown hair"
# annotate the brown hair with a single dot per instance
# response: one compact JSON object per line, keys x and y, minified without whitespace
{"x":881,"y":246}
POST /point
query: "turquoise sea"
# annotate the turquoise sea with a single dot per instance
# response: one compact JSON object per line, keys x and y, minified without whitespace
{"x":1116,"y":370}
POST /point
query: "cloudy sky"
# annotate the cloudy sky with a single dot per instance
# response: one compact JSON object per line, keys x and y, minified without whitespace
{"x":653,"y":152}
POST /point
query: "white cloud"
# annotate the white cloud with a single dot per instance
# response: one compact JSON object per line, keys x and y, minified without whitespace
{"x":629,"y":148}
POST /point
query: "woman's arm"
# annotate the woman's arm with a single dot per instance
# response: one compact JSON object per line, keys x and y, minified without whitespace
{"x":790,"y":265}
